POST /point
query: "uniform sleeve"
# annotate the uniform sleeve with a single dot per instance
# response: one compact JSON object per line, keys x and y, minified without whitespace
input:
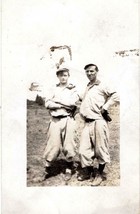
{"x":112,"y":97}
{"x":52,"y":105}
{"x":48,"y":95}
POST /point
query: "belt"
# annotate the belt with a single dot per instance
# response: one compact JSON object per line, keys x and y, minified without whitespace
{"x":88,"y":120}
{"x":61,"y":116}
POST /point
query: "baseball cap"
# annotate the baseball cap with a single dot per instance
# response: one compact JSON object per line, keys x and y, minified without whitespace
{"x":62,"y":70}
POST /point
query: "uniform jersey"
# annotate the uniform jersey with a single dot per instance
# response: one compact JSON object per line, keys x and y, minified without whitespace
{"x":97,"y":96}
{"x":66,"y":96}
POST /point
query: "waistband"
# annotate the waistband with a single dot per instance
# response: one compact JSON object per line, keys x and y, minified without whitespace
{"x":88,"y":120}
{"x":60,"y":117}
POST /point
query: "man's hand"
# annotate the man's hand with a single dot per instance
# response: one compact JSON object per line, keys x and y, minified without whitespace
{"x":103,"y":111}
{"x":105,"y":115}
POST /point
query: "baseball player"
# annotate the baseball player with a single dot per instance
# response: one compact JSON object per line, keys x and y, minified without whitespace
{"x":60,"y":136}
{"x":95,"y":135}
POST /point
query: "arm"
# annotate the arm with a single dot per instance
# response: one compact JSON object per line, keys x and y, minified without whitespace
{"x":68,"y":102}
{"x":112,"y":98}
{"x":49,"y":104}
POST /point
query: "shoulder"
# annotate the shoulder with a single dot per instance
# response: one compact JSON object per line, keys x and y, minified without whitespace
{"x":103,"y":85}
{"x":108,"y":88}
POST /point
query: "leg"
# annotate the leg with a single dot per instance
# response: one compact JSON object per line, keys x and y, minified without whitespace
{"x":102,"y":140}
{"x":53,"y":142}
{"x":102,"y":152}
{"x":101,"y":168}
{"x":69,"y":146}
{"x":86,"y":152}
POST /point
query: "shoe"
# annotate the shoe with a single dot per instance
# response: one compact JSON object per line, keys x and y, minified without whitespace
{"x":69,"y":170}
{"x":85,"y":174}
{"x":98,"y":180}
{"x":68,"y":174}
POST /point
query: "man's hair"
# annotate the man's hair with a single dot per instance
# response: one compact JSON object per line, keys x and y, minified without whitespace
{"x":88,"y":65}
{"x":62,"y":70}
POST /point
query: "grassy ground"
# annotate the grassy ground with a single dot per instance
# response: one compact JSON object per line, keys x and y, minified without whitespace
{"x":37,"y":124}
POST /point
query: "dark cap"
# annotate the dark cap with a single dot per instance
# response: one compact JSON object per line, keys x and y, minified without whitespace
{"x":61,"y":70}
{"x":89,"y":65}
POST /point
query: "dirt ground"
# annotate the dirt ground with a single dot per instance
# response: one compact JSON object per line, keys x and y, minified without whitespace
{"x":37,"y":124}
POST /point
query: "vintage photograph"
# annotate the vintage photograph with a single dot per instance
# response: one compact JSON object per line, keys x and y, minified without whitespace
{"x":70,"y":107}
{"x":73,"y":138}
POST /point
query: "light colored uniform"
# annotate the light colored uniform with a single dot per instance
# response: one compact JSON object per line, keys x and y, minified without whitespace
{"x":60,"y":136}
{"x":95,"y":135}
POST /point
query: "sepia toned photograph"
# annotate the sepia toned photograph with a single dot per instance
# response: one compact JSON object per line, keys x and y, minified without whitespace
{"x":70,"y":107}
{"x":72,"y":138}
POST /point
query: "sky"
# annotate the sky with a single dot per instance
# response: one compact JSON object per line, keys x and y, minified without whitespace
{"x":93,"y":29}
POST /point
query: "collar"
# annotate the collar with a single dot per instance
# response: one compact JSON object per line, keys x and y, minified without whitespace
{"x":69,"y":86}
{"x":97,"y":82}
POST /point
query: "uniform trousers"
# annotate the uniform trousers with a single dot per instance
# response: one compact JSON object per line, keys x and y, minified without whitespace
{"x":60,"y":137}
{"x":94,"y":143}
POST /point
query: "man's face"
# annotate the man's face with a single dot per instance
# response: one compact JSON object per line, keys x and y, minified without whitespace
{"x":91,"y":73}
{"x":63,"y":77}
